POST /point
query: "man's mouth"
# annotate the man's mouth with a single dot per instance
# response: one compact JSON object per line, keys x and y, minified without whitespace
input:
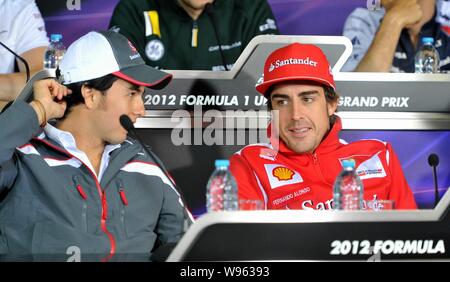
{"x":299,"y":132}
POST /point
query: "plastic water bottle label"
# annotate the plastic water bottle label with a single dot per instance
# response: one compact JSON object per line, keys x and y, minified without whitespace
{"x":222,"y":194}
{"x":216,"y":194}
{"x":348,"y":189}
{"x":427,"y":58}
{"x":54,"y":53}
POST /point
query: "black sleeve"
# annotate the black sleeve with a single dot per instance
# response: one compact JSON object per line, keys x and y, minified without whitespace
{"x":129,"y":19}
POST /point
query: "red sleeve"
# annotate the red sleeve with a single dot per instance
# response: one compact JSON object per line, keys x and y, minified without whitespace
{"x":248,"y":187}
{"x":399,"y":191}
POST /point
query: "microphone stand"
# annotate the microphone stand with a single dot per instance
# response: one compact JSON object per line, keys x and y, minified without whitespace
{"x":433,"y":161}
{"x":27,"y":68}
{"x":436,"y":189}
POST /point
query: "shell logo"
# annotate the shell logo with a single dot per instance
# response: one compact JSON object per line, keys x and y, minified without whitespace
{"x":283,"y":173}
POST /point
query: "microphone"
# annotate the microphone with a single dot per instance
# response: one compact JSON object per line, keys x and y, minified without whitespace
{"x":433,"y":161}
{"x":27,"y":70}
{"x":209,"y":9}
{"x":27,"y":67}
{"x":126,"y":123}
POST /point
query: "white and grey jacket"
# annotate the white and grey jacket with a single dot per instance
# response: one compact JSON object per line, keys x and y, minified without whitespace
{"x":52,"y":204}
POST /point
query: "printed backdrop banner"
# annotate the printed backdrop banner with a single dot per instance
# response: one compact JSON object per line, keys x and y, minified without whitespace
{"x":73,"y":18}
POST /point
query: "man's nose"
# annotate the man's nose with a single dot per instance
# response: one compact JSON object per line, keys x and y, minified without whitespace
{"x":297,"y":111}
{"x":139,"y":108}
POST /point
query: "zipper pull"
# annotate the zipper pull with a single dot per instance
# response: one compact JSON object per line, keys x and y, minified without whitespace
{"x":123,"y":196}
{"x":104,"y":207}
{"x":81,"y":191}
{"x":194,"y":39}
{"x":314,"y":158}
{"x":79,"y":188}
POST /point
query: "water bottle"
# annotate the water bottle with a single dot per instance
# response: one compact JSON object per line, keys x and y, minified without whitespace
{"x":222,"y":193}
{"x":427,"y":58}
{"x":55,"y":52}
{"x":348,"y":188}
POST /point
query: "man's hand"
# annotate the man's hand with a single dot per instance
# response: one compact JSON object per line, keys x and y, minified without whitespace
{"x":49,"y":93}
{"x":400,"y":14}
{"x":405,"y":13}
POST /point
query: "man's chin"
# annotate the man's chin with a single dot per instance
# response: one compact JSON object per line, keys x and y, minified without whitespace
{"x":195,"y":6}
{"x":301,"y":149}
{"x":117,"y":140}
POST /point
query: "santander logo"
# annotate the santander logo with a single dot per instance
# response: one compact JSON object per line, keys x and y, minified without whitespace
{"x":292,"y":61}
{"x":135,"y":52}
{"x":133,"y":49}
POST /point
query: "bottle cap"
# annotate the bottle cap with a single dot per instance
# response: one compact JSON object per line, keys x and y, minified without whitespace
{"x":348,"y":163}
{"x":222,"y":163}
{"x":428,"y":40}
{"x":55,"y":37}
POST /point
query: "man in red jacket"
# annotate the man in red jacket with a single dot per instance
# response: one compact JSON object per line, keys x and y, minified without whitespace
{"x":298,"y":168}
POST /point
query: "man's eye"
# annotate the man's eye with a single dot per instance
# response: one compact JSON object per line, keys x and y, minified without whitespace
{"x":308,"y":99}
{"x":281,"y":102}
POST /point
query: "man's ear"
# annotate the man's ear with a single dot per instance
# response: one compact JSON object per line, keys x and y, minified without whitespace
{"x":332,"y":107}
{"x":89,"y":95}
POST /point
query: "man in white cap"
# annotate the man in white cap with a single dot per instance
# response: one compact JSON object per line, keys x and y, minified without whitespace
{"x":81,"y":183}
{"x":297,"y":171}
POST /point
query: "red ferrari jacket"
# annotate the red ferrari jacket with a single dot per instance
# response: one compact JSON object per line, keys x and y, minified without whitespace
{"x":284,"y":179}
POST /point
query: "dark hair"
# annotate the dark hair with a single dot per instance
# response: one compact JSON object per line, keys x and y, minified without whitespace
{"x":330,"y":95}
{"x":101,"y":84}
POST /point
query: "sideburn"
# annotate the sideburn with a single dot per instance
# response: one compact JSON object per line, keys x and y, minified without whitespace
{"x":102,"y":102}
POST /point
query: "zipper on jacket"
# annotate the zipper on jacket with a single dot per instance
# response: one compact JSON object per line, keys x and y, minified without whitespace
{"x":103,"y":220}
{"x":81,"y":192}
{"x":84,"y":204}
{"x":102,"y":199}
{"x":123,"y":197}
{"x":317,"y":166}
{"x":194,"y":37}
{"x":124,"y":200}
{"x":314,"y":156}
{"x":122,"y":194}
{"x":104,"y":209}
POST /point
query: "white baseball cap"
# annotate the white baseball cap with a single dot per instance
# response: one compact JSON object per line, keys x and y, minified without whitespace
{"x":97,"y":54}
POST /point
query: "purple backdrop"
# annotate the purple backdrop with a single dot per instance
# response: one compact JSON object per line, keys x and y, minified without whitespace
{"x":309,"y":17}
{"x":412,"y":149}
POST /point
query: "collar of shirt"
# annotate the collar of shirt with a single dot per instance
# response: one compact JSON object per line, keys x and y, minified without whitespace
{"x":67,"y":141}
